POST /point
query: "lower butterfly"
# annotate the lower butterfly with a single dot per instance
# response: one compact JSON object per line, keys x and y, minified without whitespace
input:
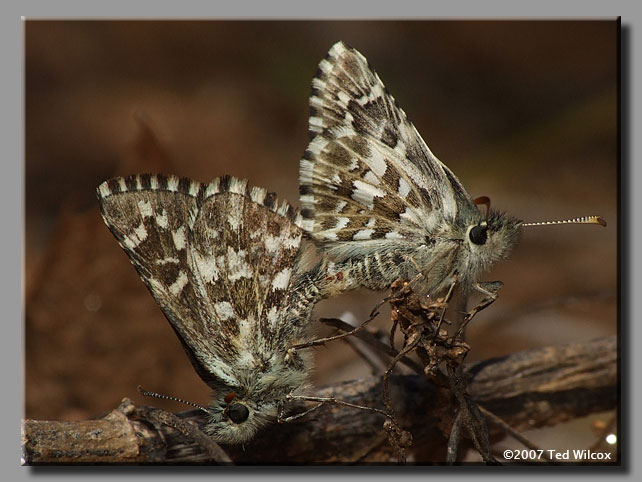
{"x":221,"y":261}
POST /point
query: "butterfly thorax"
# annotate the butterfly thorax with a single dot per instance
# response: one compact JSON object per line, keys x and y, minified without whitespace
{"x":465,"y":247}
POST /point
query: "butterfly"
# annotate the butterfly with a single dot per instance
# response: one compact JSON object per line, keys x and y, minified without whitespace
{"x":221,"y":260}
{"x":378,"y":202}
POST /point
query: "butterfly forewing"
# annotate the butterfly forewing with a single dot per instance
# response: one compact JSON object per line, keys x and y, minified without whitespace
{"x":367,"y":174}
{"x":217,"y":258}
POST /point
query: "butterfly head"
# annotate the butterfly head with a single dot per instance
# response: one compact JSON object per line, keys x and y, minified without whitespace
{"x":491,"y":238}
{"x":238,"y":413}
{"x":236,"y":418}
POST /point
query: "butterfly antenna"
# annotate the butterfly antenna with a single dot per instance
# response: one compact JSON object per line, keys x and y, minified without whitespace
{"x":144,"y":392}
{"x":583,"y":220}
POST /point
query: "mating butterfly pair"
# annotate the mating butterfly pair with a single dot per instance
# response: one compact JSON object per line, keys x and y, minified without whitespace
{"x":223,"y":260}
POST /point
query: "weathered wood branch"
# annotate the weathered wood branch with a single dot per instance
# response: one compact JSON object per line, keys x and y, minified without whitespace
{"x":534,"y":388}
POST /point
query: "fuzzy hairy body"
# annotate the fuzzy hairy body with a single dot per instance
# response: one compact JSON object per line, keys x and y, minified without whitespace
{"x":221,"y":260}
{"x":377,"y":201}
{"x":432,"y":265}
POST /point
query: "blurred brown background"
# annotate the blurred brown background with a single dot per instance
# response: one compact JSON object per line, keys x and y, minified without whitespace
{"x":522,"y":111}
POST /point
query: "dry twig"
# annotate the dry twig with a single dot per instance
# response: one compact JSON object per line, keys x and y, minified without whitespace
{"x":530,"y":389}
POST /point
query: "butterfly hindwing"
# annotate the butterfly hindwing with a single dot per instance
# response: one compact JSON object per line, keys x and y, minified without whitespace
{"x":245,"y":248}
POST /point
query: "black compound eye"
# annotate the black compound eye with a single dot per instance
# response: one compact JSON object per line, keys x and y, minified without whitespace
{"x":238,"y":413}
{"x":479,"y":234}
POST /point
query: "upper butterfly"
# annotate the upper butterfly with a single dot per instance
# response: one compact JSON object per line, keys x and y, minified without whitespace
{"x":221,"y":260}
{"x":375,"y":198}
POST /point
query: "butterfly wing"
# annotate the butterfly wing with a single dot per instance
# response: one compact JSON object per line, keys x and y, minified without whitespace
{"x":217,"y":258}
{"x":148,"y":215}
{"x":245,"y":247}
{"x":367,"y":174}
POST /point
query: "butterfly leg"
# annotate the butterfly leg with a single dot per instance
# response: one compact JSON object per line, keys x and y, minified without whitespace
{"x":397,"y":437}
{"x":449,"y":295}
{"x":490,"y":289}
{"x":354,"y":331}
{"x":321,"y":401}
{"x":281,"y":412}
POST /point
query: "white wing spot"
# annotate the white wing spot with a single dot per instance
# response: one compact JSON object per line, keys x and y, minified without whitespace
{"x":224,"y":310}
{"x":207,"y":267}
{"x":180,"y":241}
{"x":194,"y":188}
{"x":292,"y":241}
{"x":404,"y":188}
{"x":213,"y":187}
{"x":104,"y":190}
{"x":238,"y":186}
{"x":308,"y":225}
{"x":274,"y":244}
{"x":348,"y":119}
{"x":237,"y":264}
{"x":342,"y":222}
{"x":363,"y":234}
{"x":308,"y":199}
{"x":282,"y":279}
{"x":376,"y":90}
{"x":315,"y":147}
{"x":258,"y":195}
{"x":411,"y":215}
{"x":393,"y":235}
{"x":325,"y":66}
{"x":377,"y":162}
{"x":128,"y":243}
{"x":141,"y":233}
{"x":177,"y":286}
{"x":343,"y":98}
{"x":234,"y":221}
{"x":400,"y":148}
{"x":161,"y":219}
{"x":365,"y":193}
{"x":316,"y":122}
{"x":172,"y":184}
{"x":372,"y":178}
{"x":273,"y":317}
{"x":164,"y":261}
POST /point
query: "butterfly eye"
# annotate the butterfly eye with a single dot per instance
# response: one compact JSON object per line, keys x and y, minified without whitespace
{"x":479,"y":234}
{"x":237,"y":413}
